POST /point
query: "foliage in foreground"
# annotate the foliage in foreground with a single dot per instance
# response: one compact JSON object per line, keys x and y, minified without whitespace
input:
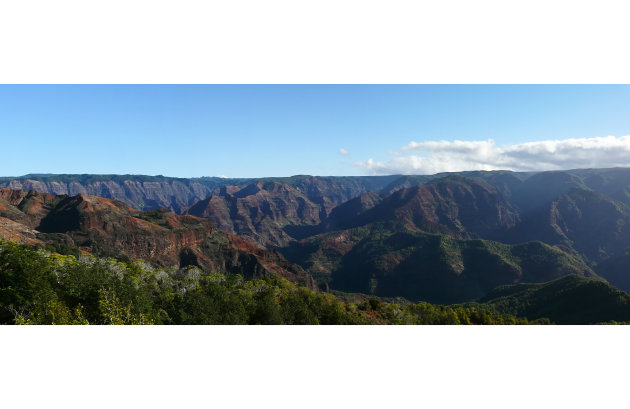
{"x":40,"y":287}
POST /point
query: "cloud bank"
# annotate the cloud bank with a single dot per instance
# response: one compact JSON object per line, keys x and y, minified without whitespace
{"x":430,"y":157}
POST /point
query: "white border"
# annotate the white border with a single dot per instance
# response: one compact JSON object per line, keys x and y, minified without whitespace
{"x":328,"y":41}
{"x":314,"y":367}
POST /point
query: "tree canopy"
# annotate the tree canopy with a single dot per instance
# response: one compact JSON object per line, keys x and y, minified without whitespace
{"x":39,"y":286}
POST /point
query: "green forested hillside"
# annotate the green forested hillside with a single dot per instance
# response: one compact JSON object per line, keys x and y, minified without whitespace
{"x":431,"y":267}
{"x":568,"y":300}
{"x":40,"y":287}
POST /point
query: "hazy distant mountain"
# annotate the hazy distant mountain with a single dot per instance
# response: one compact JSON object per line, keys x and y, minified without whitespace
{"x":506,"y":181}
{"x":152,"y":192}
{"x":453,"y":205}
{"x":178,"y":194}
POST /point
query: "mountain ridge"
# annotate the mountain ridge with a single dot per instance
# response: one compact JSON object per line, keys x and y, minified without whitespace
{"x":423,"y":239}
{"x":99,"y":225}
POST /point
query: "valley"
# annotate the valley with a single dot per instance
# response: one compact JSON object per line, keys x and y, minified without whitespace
{"x":444,"y":239}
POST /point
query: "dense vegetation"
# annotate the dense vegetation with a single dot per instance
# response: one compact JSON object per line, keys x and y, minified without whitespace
{"x":568,"y":300}
{"x":42,"y":287}
{"x":432,"y":267}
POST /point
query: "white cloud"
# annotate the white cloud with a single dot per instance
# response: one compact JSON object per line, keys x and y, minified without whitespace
{"x":452,"y":156}
{"x":344,"y":152}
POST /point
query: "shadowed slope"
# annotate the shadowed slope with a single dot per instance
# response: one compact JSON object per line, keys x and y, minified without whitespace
{"x":568,"y":300}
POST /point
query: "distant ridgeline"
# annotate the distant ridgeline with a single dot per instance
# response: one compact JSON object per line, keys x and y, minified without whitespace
{"x":178,"y":194}
{"x":139,"y":191}
{"x":154,"y":192}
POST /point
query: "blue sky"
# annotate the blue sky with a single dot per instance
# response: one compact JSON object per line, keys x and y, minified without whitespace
{"x":280,"y":130}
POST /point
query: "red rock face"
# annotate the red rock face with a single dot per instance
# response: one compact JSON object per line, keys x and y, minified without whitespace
{"x":106,"y":226}
{"x":259,"y":211}
{"x":28,"y":208}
